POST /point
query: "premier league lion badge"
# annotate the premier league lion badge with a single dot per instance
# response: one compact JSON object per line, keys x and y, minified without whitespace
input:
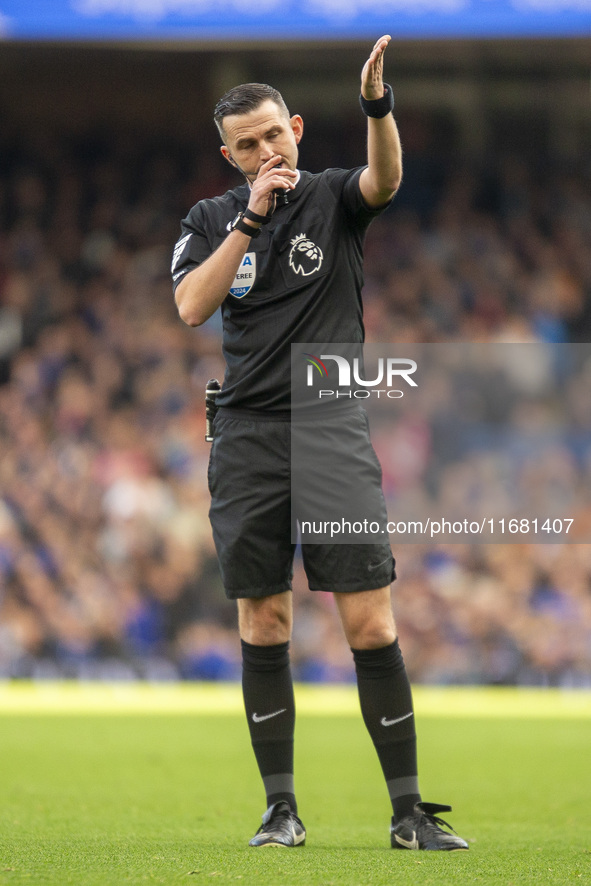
{"x":305,"y":257}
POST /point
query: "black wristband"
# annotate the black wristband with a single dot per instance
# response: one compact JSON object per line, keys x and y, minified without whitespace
{"x":378,"y":107}
{"x":240,"y":225}
{"x":255,"y":217}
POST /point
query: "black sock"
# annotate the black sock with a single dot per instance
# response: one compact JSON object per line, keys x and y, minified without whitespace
{"x":270,"y":708}
{"x":386,"y":705}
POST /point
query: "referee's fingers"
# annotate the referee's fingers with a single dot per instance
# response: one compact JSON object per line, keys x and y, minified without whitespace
{"x":270,"y":163}
{"x":386,"y":38}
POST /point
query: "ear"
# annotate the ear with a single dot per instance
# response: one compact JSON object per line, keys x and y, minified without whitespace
{"x":297,"y":126}
{"x":226,"y":153}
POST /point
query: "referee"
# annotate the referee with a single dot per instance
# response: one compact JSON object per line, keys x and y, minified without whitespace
{"x":282,"y":256}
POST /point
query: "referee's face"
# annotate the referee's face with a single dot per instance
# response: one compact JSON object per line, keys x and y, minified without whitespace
{"x":253,"y":138}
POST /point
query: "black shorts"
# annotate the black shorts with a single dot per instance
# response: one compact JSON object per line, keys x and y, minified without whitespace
{"x":251,"y":515}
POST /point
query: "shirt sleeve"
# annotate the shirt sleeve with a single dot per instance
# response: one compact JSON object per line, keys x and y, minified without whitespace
{"x":192,"y":247}
{"x":354,"y":203}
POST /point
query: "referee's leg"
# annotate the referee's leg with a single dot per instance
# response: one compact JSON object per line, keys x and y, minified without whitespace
{"x":384,"y":691}
{"x":265,"y":625}
{"x":386,"y":705}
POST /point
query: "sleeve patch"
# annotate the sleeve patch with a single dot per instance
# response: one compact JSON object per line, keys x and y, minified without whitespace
{"x":178,"y":251}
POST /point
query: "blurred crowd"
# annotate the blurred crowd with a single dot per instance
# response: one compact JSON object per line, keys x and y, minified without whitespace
{"x":107,"y":567}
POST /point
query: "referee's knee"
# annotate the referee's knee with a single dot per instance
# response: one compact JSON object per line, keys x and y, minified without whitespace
{"x":266,"y":621}
{"x":367,"y":618}
{"x":371,"y":636}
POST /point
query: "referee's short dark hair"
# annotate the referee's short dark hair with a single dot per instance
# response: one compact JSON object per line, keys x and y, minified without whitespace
{"x":243,"y":99}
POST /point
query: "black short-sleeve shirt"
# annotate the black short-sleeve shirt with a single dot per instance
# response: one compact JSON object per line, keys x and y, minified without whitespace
{"x":299,"y":281}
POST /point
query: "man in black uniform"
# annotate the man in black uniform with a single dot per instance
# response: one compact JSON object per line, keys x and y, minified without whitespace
{"x":282,"y":256}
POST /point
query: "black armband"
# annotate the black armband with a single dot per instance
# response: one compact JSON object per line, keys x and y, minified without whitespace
{"x":240,"y":225}
{"x":378,"y":107}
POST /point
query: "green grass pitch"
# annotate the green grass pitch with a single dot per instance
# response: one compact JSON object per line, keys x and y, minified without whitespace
{"x":118,"y":785}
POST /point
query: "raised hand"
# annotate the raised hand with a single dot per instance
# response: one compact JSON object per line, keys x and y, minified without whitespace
{"x":372,"y":75}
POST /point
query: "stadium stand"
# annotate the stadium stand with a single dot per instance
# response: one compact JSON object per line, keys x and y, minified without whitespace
{"x":106,"y":561}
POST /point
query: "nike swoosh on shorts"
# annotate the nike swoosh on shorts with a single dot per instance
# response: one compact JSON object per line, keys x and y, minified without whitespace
{"x":377,"y":566}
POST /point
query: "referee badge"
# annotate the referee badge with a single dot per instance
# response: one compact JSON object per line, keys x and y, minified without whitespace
{"x":245,"y":276}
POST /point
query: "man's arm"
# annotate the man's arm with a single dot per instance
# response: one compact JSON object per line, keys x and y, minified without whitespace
{"x":202,"y":291}
{"x":380,"y":181}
